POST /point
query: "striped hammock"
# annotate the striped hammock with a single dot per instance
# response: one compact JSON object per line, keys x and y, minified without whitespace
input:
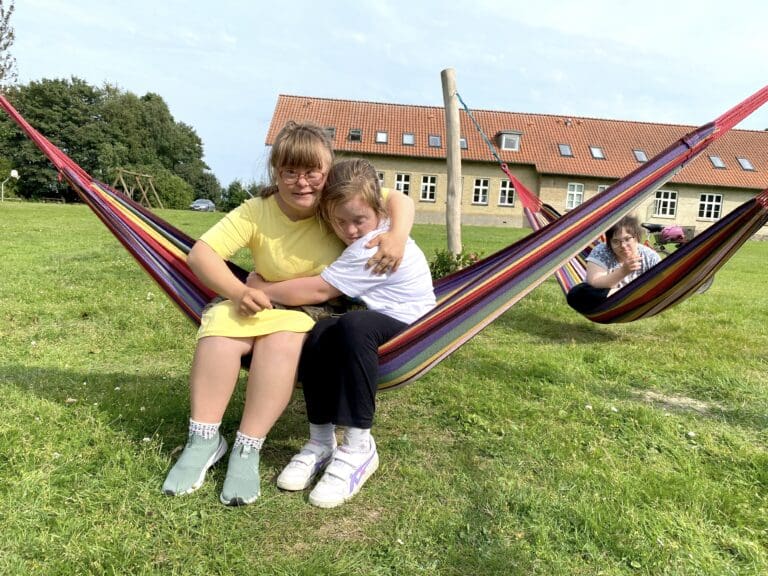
{"x":468,"y":300}
{"x":687,"y":271}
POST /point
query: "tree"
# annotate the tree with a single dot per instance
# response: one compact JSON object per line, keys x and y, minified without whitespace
{"x":103,"y":129}
{"x":7,"y":36}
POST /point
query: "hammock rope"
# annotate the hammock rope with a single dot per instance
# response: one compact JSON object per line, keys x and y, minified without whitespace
{"x":468,"y":300}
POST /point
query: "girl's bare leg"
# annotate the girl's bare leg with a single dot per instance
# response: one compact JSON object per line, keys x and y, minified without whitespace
{"x":215,"y":369}
{"x":271,"y":381}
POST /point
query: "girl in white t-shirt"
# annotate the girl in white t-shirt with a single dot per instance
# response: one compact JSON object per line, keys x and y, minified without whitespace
{"x":339,"y":363}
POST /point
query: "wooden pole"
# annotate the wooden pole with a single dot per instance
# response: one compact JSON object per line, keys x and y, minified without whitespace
{"x":453,"y":156}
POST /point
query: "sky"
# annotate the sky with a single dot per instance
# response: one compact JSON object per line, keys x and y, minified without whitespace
{"x":221,"y":65}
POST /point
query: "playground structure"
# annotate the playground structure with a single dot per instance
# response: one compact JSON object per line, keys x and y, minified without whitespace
{"x":142,"y":182}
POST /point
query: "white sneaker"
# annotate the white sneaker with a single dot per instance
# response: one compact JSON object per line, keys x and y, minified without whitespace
{"x":344,"y":476}
{"x":305,"y":466}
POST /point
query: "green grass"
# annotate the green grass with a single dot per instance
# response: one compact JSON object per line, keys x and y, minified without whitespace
{"x":546,"y":445}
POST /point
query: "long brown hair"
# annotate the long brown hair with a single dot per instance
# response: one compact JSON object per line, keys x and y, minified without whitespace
{"x":298,"y":144}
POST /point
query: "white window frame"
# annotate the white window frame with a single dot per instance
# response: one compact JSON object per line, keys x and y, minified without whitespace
{"x":506,"y":193}
{"x":745,"y":163}
{"x":574,"y":196}
{"x":717,"y":162}
{"x":710,"y":206}
{"x":428,"y":188}
{"x":602,"y":187}
{"x":381,"y":179}
{"x":382,"y":137}
{"x":480,"y":191}
{"x":403,"y":183}
{"x":640,"y":155}
{"x":665,"y":204}
{"x":510,"y":141}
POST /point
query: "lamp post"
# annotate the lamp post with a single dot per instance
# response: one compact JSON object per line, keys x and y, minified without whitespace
{"x":15,"y":175}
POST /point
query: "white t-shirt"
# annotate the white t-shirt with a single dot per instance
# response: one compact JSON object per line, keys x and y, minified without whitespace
{"x":405,"y":295}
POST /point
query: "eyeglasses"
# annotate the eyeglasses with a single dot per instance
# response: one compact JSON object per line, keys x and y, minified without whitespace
{"x":313,"y":177}
{"x":622,"y":241}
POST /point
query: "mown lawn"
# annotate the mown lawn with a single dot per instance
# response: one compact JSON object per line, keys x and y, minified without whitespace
{"x":546,"y":445}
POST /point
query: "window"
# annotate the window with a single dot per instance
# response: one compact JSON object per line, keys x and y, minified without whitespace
{"x":428,"y":188}
{"x":435,"y":141}
{"x":717,"y":162}
{"x":506,"y":193}
{"x":597,"y":152}
{"x":665,"y":203}
{"x":463,"y":143}
{"x":745,"y":164}
{"x":710,"y":206}
{"x":403,"y":183}
{"x":355,"y":135}
{"x":382,"y":137}
{"x":575,"y":195}
{"x":565,"y":149}
{"x":408,"y":139}
{"x":381,"y":178}
{"x":510,"y":141}
{"x":330,"y":131}
{"x":480,"y":191}
{"x":640,"y":155}
{"x":602,"y":188}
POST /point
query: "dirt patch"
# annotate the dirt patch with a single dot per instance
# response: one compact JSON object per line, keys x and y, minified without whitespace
{"x":677,"y":403}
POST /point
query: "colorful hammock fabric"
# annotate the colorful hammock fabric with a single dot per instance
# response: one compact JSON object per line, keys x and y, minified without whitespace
{"x":468,"y":300}
{"x":685,"y":272}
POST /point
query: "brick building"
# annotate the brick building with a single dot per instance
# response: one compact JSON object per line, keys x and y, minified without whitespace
{"x":564,"y":160}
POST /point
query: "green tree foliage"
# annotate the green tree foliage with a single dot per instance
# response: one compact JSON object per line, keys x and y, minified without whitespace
{"x":7,"y":36}
{"x":103,"y":129}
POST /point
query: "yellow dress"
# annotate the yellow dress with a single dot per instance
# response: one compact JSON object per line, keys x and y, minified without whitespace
{"x":282,"y":249}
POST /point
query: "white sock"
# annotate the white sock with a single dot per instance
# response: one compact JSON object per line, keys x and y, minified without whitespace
{"x":357,"y":439}
{"x":204,"y":429}
{"x":251,"y":441}
{"x":324,"y":434}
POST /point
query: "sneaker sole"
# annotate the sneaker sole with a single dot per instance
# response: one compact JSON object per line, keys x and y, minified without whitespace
{"x":237,"y":501}
{"x":220,"y":451}
{"x":374,"y":465}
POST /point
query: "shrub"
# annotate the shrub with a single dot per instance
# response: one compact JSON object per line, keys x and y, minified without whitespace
{"x":445,"y":262}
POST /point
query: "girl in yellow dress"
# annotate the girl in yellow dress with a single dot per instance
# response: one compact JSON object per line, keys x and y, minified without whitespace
{"x":287,"y":240}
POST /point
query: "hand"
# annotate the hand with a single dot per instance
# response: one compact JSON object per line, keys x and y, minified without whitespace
{"x":389,"y":255}
{"x":632,"y":264}
{"x":250,"y":301}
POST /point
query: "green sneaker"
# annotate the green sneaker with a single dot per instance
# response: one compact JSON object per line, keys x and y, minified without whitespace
{"x":199,"y":455}
{"x":242,"y":484}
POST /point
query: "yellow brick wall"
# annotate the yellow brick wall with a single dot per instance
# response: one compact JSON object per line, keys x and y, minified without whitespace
{"x":551,"y":189}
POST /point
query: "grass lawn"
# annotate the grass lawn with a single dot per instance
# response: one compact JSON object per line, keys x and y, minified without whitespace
{"x":546,"y":445}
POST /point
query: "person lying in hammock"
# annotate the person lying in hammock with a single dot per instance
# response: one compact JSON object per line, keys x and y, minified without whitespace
{"x":613,"y":264}
{"x":339,"y":363}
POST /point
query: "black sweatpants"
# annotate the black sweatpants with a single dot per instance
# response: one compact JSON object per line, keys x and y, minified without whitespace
{"x":584,"y":297}
{"x":339,"y":367}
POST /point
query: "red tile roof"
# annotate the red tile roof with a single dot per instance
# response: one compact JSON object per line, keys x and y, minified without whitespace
{"x":540,"y":136}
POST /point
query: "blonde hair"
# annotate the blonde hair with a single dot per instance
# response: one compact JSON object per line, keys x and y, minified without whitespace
{"x":347,"y":179}
{"x":299,"y":145}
